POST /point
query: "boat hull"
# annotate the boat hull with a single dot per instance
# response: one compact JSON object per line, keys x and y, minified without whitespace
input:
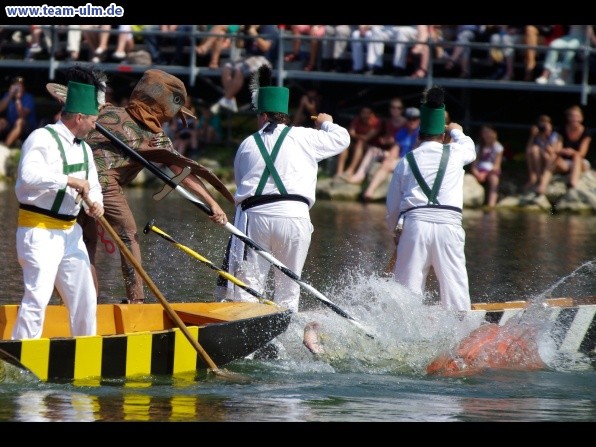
{"x":226,"y":331}
{"x":572,"y":321}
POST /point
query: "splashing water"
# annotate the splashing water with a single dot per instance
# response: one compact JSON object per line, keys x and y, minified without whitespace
{"x":409,"y":334}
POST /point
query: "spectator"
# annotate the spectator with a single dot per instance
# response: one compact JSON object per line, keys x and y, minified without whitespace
{"x":486,"y":168}
{"x":20,"y":118}
{"x":558,"y":64}
{"x":385,"y":146}
{"x":504,"y":56}
{"x":543,"y":142}
{"x":363,"y":129}
{"x":97,"y":38}
{"x":571,"y":159}
{"x":334,"y":52}
{"x":406,"y":139}
{"x":402,"y":37}
{"x":533,"y":36}
{"x":309,"y":106}
{"x":220,"y":39}
{"x":315,"y":32}
{"x":260,"y":46}
{"x":209,"y":129}
{"x":124,"y":44}
{"x":465,"y":35}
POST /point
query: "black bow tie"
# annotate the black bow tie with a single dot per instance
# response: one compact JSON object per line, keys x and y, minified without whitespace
{"x":76,"y":140}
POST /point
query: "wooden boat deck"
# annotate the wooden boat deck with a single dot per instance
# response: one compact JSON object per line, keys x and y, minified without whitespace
{"x":114,"y":319}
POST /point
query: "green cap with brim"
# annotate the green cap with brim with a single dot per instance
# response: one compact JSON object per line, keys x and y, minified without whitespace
{"x":432,"y":121}
{"x":273,"y":99}
{"x":81,"y":98}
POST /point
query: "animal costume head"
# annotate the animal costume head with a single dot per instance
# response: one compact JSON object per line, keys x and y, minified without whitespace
{"x":157,"y":98}
{"x":432,"y":112}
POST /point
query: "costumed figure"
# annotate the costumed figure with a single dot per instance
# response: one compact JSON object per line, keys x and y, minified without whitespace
{"x":424,"y":207}
{"x":156,"y":99}
{"x":55,"y":168}
{"x":276,"y":175}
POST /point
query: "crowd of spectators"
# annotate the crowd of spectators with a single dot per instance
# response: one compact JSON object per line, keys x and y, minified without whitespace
{"x":380,"y":136}
{"x":541,"y":53}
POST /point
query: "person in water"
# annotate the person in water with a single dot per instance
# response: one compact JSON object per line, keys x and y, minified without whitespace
{"x":509,"y":347}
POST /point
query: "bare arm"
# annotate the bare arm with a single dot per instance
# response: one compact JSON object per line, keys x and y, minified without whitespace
{"x":195,"y":184}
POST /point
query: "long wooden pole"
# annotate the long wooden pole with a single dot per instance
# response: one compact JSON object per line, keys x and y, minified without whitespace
{"x":162,"y":299}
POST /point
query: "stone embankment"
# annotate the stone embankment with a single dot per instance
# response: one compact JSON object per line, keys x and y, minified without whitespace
{"x":557,"y":198}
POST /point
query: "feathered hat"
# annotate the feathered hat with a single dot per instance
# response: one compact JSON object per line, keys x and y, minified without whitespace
{"x":84,"y":75}
{"x":265,"y":97}
{"x":432,"y":112}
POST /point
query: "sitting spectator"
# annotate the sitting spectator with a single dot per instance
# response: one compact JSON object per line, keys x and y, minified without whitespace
{"x":543,"y":142}
{"x":19,"y":114}
{"x":124,"y":44}
{"x":384,"y":146}
{"x":501,"y":54}
{"x":402,"y":37}
{"x":315,"y":32}
{"x":216,"y":42}
{"x":461,"y":54}
{"x":486,"y":168}
{"x":571,"y":159}
{"x":406,"y":139}
{"x":334,"y":54}
{"x":309,"y":106}
{"x":364,"y":128}
{"x":558,"y":64}
{"x":209,"y":129}
{"x":97,"y":38}
{"x":535,"y":35}
{"x":260,"y":47}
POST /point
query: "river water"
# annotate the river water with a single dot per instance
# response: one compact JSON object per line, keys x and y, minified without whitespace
{"x":510,"y":255}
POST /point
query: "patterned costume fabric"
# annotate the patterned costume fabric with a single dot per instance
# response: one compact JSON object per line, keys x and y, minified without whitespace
{"x":156,"y":99}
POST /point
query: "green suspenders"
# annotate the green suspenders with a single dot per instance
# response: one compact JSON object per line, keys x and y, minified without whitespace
{"x":269,"y":160}
{"x":432,"y":195}
{"x":67,"y":168}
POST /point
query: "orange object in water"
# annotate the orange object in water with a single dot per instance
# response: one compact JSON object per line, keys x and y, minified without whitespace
{"x":491,"y":347}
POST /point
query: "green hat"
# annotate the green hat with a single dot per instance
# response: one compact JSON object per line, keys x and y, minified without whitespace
{"x":432,"y":121}
{"x":273,"y":99}
{"x":81,"y":98}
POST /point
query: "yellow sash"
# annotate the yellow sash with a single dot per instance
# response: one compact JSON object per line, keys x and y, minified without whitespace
{"x":36,"y":220}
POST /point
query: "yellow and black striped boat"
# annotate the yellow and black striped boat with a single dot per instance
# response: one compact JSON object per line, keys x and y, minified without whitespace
{"x":135,"y":339}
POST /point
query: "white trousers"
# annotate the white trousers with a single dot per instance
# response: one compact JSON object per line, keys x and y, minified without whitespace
{"x":375,"y":39}
{"x":55,"y":258}
{"x":423,"y":245}
{"x":287,"y":239}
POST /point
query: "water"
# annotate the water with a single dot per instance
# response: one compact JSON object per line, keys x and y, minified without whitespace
{"x":510,"y":255}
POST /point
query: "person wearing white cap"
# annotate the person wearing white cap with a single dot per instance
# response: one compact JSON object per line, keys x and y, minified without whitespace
{"x":276,"y":175}
{"x":424,"y":207}
{"x":55,"y":168}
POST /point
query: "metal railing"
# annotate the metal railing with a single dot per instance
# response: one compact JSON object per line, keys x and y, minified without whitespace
{"x":282,"y":73}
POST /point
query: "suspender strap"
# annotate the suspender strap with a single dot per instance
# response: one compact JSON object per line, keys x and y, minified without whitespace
{"x":67,"y":169}
{"x":269,"y":161}
{"x":430,"y":194}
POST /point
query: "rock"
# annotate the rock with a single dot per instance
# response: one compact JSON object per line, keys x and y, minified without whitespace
{"x":5,"y":155}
